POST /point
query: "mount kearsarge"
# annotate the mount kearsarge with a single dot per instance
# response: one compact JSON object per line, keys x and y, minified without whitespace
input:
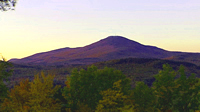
{"x":112,"y":47}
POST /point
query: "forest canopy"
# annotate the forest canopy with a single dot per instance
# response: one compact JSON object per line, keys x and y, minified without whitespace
{"x":102,"y":90}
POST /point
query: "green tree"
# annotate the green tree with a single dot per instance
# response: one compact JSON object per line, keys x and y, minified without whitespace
{"x":143,"y":97}
{"x":164,"y":87}
{"x":84,"y":86}
{"x":178,"y":94}
{"x":5,"y":72}
{"x":186,"y":96}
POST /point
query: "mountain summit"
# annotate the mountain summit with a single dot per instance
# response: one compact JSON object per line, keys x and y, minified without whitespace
{"x":112,"y":47}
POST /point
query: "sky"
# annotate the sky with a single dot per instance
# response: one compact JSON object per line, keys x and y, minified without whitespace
{"x":43,"y":25}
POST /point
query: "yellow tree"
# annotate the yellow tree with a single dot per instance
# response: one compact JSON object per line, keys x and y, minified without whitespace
{"x":18,"y":98}
{"x":42,"y":91}
{"x":33,"y":96}
{"x":113,"y":99}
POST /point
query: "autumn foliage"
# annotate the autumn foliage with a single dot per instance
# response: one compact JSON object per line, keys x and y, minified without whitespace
{"x":113,"y":99}
{"x":34,"y":96}
{"x":105,"y":90}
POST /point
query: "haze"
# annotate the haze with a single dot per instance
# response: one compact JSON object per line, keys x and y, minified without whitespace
{"x":39,"y":26}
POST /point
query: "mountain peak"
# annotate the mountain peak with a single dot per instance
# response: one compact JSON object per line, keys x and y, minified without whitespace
{"x":115,"y":37}
{"x":112,"y":38}
{"x":120,"y":41}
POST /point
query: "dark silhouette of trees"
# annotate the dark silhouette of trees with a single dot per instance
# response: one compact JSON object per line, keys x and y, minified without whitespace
{"x":6,"y":5}
{"x":5,"y":72}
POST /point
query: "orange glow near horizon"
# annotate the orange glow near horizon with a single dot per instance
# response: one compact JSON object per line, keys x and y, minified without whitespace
{"x":39,"y":26}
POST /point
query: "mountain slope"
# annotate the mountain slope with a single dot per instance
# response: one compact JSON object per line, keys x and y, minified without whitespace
{"x":113,"y":47}
{"x":138,"y":69}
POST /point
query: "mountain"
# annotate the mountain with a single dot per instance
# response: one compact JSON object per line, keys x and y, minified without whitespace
{"x":112,"y":47}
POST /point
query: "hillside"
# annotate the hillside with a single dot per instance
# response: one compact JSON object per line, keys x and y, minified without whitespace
{"x":113,"y":47}
{"x":138,"y":69}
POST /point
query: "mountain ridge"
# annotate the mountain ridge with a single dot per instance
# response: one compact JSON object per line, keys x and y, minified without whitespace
{"x":112,"y":47}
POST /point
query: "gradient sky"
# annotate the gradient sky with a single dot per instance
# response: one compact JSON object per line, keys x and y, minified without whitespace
{"x":44,"y":25}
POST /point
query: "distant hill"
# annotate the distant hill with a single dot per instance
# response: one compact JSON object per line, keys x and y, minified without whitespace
{"x":187,"y":57}
{"x":112,"y":47}
{"x":138,"y":69}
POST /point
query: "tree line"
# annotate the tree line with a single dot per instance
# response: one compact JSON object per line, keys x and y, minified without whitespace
{"x":101,"y":90}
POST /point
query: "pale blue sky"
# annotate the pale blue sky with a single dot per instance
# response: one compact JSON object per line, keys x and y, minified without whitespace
{"x":43,"y":25}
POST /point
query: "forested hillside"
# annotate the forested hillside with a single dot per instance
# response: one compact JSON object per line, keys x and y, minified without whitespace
{"x":103,"y":89}
{"x":134,"y":68}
